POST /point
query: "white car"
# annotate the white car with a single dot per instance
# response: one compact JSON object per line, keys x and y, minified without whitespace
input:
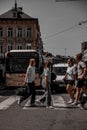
{"x":60,"y":70}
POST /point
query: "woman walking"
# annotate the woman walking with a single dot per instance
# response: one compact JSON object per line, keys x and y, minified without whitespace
{"x":70,"y":77}
{"x":46,"y":77}
{"x":81,"y":72}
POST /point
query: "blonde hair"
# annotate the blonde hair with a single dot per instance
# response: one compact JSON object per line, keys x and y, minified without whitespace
{"x":32,"y":62}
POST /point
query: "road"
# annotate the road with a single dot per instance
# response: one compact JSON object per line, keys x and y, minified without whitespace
{"x":62,"y":117}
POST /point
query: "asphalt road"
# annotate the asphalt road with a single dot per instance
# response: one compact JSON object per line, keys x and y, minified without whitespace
{"x":62,"y":117}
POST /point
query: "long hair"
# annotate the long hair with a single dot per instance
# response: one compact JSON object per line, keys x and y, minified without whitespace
{"x":71,"y":60}
{"x":79,"y":56}
{"x":48,"y":63}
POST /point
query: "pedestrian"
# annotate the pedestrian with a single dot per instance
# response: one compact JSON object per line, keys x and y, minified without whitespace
{"x":70,"y":78}
{"x":81,"y":72}
{"x":29,"y":81}
{"x":46,"y":79}
{"x":83,"y":95}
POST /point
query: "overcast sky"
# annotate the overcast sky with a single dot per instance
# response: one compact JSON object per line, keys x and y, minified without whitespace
{"x":58,"y":22}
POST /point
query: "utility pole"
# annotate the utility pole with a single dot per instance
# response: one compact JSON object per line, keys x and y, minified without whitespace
{"x":65,"y":51}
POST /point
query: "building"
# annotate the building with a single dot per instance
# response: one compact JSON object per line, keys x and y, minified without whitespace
{"x":83,"y":46}
{"x":19,"y":31}
{"x":84,"y":50}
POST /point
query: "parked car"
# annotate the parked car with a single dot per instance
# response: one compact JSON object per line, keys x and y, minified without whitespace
{"x":60,"y":70}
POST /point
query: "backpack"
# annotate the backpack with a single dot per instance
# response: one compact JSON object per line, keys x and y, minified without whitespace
{"x":53,"y":75}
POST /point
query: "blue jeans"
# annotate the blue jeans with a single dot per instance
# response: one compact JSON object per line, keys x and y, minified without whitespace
{"x":47,"y":96}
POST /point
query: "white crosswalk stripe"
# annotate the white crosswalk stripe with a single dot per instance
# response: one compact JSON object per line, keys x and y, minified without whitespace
{"x":7,"y":102}
{"x":26,"y":106}
{"x":58,"y":103}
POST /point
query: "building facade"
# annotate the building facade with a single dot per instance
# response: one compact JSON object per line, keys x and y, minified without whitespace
{"x":83,"y":46}
{"x":19,"y":31}
{"x":84,"y":50}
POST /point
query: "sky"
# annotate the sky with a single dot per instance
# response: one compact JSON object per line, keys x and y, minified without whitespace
{"x":59,"y":23}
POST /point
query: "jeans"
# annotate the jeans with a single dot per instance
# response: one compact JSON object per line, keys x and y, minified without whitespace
{"x":47,"y":96}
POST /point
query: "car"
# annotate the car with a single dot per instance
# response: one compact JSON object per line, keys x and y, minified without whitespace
{"x":60,"y":70}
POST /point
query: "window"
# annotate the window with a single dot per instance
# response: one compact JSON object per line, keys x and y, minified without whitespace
{"x":9,"y":47}
{"x":1,"y":31}
{"x":28,"y":46}
{"x":19,"y":46}
{"x":29,"y":32}
{"x":10,"y":32}
{"x":1,"y":49}
{"x":19,"y":32}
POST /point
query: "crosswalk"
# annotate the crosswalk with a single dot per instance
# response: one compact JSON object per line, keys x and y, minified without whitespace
{"x":7,"y":103}
{"x":58,"y":103}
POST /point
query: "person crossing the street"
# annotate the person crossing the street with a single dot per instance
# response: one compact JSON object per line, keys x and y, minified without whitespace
{"x":29,"y":81}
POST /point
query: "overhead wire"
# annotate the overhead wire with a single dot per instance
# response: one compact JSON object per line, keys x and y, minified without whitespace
{"x":60,"y":32}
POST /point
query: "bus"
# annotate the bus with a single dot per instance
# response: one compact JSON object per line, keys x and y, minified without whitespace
{"x":16,"y":63}
{"x":2,"y":70}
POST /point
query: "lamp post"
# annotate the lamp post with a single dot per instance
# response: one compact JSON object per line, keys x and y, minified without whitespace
{"x":65,"y":50}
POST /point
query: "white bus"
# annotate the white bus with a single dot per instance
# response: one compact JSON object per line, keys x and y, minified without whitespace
{"x":16,"y":63}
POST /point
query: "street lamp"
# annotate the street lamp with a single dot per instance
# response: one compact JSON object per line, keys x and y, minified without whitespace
{"x":82,"y":22}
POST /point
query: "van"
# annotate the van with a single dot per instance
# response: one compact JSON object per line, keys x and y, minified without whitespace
{"x":60,"y":71}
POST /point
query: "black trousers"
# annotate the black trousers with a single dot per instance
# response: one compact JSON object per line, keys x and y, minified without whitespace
{"x":31,"y":91}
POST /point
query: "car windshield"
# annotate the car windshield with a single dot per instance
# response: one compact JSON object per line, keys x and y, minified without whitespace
{"x":60,"y":70}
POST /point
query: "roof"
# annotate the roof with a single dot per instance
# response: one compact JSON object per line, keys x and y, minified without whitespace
{"x":22,"y":53}
{"x":15,"y":13}
{"x":31,"y":50}
{"x":60,"y":65}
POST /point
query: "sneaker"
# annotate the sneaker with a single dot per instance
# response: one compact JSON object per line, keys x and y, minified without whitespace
{"x":33,"y":105}
{"x":75,"y":103}
{"x":50,"y":107}
{"x":70,"y":101}
{"x":81,"y":106}
{"x":19,"y":101}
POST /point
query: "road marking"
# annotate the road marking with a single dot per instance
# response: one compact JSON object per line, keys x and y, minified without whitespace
{"x":7,"y":102}
{"x":26,"y":106}
{"x":58,"y":102}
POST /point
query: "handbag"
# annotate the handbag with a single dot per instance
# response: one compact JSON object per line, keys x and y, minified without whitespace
{"x":43,"y":83}
{"x":22,"y":91}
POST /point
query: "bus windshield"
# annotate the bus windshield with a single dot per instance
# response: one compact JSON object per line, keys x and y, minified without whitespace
{"x":17,"y":62}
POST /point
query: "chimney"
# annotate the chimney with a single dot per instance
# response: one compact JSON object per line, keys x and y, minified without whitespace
{"x":15,"y":5}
